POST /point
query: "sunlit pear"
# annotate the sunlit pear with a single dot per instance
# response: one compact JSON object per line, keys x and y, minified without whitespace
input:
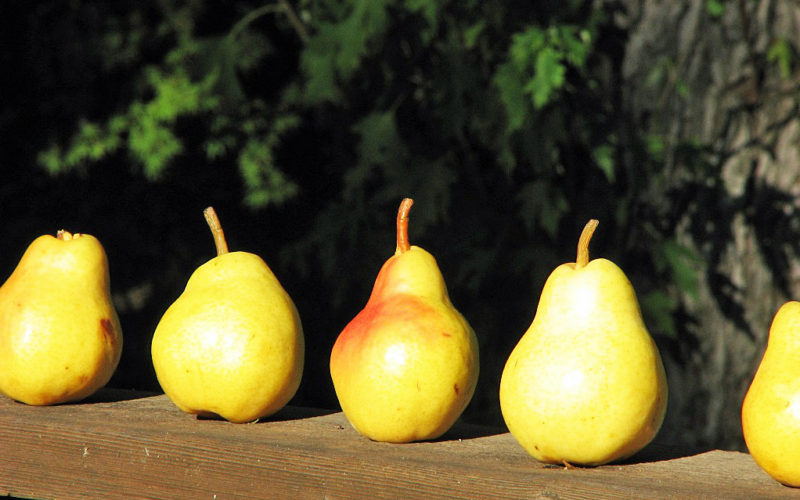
{"x":771,"y":408}
{"x":585,"y":385}
{"x":232,"y":344}
{"x":60,"y":337}
{"x":405,"y":368}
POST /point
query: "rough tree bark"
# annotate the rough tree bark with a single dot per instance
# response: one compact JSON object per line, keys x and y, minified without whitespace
{"x":719,"y":89}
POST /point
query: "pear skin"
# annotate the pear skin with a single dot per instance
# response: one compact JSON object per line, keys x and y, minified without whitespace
{"x":60,"y":337}
{"x":585,"y":385}
{"x":232,"y":344}
{"x":771,"y":408}
{"x":405,"y":368}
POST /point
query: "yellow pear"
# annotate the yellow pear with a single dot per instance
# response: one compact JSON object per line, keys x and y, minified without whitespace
{"x":585,"y":384}
{"x":406,"y":366}
{"x":771,"y":408}
{"x":60,"y":338}
{"x":232,"y":344}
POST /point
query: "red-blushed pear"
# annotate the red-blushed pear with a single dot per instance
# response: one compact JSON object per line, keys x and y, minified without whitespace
{"x":405,"y":368}
{"x":771,"y":408}
{"x":585,"y":384}
{"x":60,"y":337}
{"x":232,"y":344}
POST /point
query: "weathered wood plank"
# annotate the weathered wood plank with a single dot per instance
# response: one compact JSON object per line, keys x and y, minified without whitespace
{"x":126,"y":444}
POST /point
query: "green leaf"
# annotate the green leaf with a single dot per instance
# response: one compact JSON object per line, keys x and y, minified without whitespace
{"x":655,"y":147}
{"x":220,"y":55}
{"x":682,"y":262}
{"x":153,"y":144}
{"x":316,"y":62}
{"x":512,"y":95}
{"x":551,"y":214}
{"x":525,"y":46}
{"x":379,"y":140}
{"x":176,"y":94}
{"x":473,"y":33}
{"x":92,"y":142}
{"x":658,"y":308}
{"x":575,"y":44}
{"x":335,"y":52}
{"x":780,"y":52}
{"x":543,"y":205}
{"x":430,"y":11}
{"x":265,"y":183}
{"x":682,"y":88}
{"x":218,"y":146}
{"x":430,"y":183}
{"x":603,"y":157}
{"x":715,"y":8}
{"x":51,"y":159}
{"x":379,"y":144}
{"x":658,"y":72}
{"x":548,"y":77}
{"x":539,"y":58}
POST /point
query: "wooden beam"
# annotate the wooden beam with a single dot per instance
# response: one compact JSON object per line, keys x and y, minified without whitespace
{"x":125,"y":444}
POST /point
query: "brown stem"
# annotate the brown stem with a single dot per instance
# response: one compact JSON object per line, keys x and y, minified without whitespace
{"x":583,"y":243}
{"x":402,"y":226}
{"x":216,"y":230}
{"x":295,"y":21}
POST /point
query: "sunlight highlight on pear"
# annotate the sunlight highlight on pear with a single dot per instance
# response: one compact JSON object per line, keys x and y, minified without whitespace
{"x":771,"y":408}
{"x":585,"y":384}
{"x":406,"y":366}
{"x":60,"y":337}
{"x":232,"y":344}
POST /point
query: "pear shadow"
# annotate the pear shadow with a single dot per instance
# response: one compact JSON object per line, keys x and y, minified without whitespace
{"x":285,"y":414}
{"x":463,"y":431}
{"x":659,"y":452}
{"x":652,"y":453}
{"x":112,"y":395}
{"x":296,"y":413}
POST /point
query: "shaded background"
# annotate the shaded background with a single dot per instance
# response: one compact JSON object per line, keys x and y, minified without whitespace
{"x":304,"y":124}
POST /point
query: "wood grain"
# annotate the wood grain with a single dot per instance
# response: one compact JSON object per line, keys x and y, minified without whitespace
{"x":131,"y":445}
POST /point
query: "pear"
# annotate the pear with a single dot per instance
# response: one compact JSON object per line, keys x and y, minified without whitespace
{"x":585,"y":384}
{"x":231,"y":345}
{"x":406,"y":366}
{"x":771,"y":408}
{"x":60,"y":337}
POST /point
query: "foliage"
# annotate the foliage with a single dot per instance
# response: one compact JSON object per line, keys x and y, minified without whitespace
{"x":196,"y":79}
{"x":781,"y":53}
{"x":715,"y":8}
{"x":502,"y":121}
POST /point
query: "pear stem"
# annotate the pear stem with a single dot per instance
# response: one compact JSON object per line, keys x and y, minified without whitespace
{"x":583,"y":243}
{"x":402,"y":226}
{"x":216,"y":230}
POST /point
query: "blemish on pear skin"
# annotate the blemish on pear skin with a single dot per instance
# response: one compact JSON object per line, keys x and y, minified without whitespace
{"x":446,"y":334}
{"x":105,"y":325}
{"x":455,"y":388}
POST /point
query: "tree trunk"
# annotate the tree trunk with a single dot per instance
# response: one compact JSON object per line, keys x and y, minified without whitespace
{"x":715,"y":80}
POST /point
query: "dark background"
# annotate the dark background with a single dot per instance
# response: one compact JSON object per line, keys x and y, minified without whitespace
{"x":510,"y":124}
